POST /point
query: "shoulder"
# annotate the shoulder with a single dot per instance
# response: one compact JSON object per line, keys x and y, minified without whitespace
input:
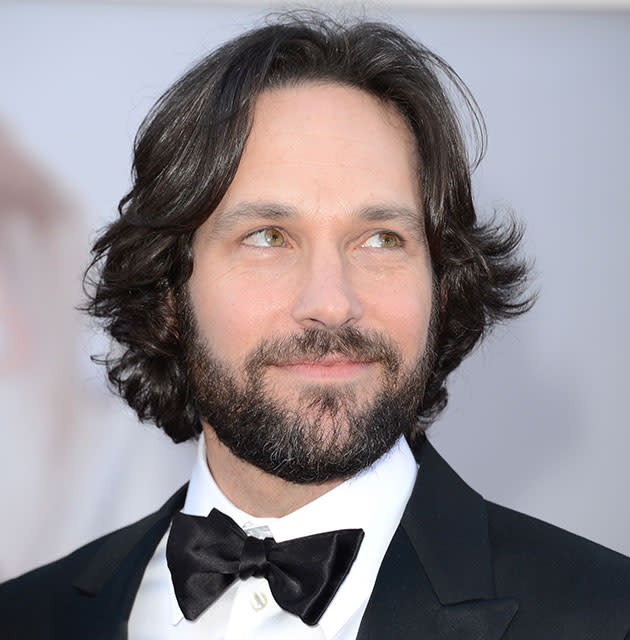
{"x":47,"y":579}
{"x":472,"y":549}
{"x":65,"y":568}
{"x":85,"y":585}
{"x":27,"y":602}
{"x":558,"y":575}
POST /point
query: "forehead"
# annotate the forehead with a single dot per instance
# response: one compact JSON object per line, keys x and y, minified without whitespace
{"x":326,"y":148}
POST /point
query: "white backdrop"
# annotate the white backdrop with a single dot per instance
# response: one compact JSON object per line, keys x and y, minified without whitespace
{"x":537,"y":416}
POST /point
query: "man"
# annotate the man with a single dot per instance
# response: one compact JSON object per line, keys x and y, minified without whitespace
{"x":295,"y":272}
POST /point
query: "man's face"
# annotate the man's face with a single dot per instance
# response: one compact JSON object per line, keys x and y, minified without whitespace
{"x":309,"y":305}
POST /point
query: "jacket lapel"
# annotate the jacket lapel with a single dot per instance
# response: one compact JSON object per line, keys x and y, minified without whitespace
{"x":104,"y":591}
{"x":436,"y":579}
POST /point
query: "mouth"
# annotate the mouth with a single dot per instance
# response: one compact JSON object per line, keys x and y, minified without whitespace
{"x":330,"y":367}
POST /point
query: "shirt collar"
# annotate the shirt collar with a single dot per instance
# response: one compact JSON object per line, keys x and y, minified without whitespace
{"x":373,"y":500}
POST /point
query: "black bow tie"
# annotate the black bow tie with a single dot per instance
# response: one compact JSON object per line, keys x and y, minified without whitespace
{"x":206,"y":555}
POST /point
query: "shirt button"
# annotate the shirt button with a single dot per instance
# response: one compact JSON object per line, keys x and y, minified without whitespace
{"x":258,"y":601}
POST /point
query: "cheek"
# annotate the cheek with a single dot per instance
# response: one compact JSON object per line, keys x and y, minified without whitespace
{"x":403,"y":310}
{"x":234,"y":312}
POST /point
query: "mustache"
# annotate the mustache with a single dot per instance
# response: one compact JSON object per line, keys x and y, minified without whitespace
{"x":314,"y":343}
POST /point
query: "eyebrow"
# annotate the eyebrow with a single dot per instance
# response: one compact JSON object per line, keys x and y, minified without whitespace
{"x":228,"y":218}
{"x":411,"y":218}
{"x":274,"y":211}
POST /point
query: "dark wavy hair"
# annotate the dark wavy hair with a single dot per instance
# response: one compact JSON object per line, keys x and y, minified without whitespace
{"x":185,"y":157}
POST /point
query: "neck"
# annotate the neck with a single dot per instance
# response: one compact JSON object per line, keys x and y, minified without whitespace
{"x":258,"y":493}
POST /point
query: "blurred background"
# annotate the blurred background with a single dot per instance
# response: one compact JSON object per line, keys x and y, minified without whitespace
{"x":537,"y":418}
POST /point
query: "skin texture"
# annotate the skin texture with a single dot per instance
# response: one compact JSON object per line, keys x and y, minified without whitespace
{"x":321,"y":227}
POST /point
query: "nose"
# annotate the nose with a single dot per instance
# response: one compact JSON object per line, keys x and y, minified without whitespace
{"x":325,"y":294}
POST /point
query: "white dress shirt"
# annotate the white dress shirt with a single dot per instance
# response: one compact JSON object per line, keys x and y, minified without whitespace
{"x":374,"y":500}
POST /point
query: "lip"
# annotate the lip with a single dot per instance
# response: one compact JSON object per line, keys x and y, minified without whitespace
{"x":326,"y":368}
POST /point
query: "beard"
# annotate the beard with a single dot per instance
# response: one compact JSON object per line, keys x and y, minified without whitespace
{"x":331,"y":431}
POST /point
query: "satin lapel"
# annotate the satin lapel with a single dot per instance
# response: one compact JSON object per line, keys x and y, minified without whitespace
{"x":104,"y":592}
{"x":404,"y":606}
{"x":436,"y":579}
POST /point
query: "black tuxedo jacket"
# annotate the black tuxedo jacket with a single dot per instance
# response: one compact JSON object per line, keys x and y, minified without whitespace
{"x":457,"y":568}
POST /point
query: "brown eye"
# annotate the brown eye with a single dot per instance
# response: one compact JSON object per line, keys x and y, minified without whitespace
{"x":274,"y":238}
{"x":269,"y":237}
{"x":383,"y":240}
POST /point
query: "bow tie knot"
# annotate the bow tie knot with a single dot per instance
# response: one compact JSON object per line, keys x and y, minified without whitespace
{"x":254,"y":558}
{"x":206,"y":555}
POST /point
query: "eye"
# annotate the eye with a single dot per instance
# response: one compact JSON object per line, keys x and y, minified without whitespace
{"x":383,"y":240}
{"x":269,"y":237}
